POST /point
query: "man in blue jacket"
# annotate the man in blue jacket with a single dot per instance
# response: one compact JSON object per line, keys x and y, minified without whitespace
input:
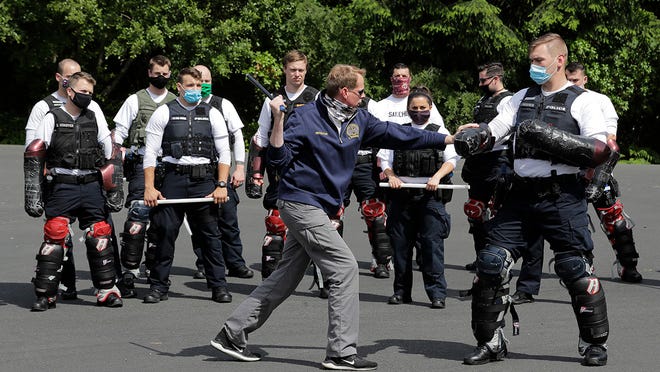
{"x":316,"y":155}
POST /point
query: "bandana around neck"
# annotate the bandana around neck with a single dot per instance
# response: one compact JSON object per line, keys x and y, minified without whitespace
{"x":338,"y":111}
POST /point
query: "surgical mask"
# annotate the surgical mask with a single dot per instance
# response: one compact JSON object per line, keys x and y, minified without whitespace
{"x":419,"y":117}
{"x":159,"y":81}
{"x":400,"y":85}
{"x":192,"y":95}
{"x":540,"y":74}
{"x":81,"y":100}
{"x":206,"y":89}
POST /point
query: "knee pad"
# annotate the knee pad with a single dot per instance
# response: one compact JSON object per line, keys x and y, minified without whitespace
{"x":372,"y":209}
{"x":271,"y":254}
{"x":475,"y":210}
{"x":138,"y":212}
{"x":100,"y":255}
{"x":274,"y":223}
{"x":611,"y":219}
{"x":132,"y":243}
{"x":381,"y":248}
{"x":494,"y":265}
{"x":49,"y":269}
{"x":571,"y":266}
{"x":56,"y":230}
{"x":590,"y":308}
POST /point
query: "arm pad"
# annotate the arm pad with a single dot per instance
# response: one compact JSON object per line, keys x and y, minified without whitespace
{"x":473,"y":141}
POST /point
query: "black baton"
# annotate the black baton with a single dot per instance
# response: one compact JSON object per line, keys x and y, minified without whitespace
{"x":263,"y":90}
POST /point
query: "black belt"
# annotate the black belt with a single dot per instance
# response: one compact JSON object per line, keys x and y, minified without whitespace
{"x":192,"y":170}
{"x":544,"y":186}
{"x":76,"y":179}
{"x":367,"y":158}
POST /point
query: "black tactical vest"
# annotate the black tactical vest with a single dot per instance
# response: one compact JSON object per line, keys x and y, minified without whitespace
{"x":307,"y":95}
{"x":74,"y":143}
{"x":418,"y":163}
{"x":188,"y":132}
{"x":553,"y":110}
{"x":486,"y":109}
{"x":53,"y":102}
{"x":146,"y":107}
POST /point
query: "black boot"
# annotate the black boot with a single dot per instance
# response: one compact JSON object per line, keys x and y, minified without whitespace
{"x":482,"y":355}
{"x":42,"y":304}
{"x":595,"y":355}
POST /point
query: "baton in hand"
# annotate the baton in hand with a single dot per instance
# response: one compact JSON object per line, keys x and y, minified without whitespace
{"x":263,"y":89}
{"x":180,"y":201}
{"x":423,"y":186}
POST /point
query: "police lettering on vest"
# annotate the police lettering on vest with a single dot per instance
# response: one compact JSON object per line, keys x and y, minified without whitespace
{"x":554,"y":110}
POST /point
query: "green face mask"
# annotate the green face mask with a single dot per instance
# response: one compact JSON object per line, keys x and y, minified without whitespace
{"x":206,"y":89}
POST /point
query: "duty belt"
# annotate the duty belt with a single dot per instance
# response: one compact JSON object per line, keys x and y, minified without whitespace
{"x":542,"y":187}
{"x":361,"y":159}
{"x":195,"y":171}
{"x":75,"y":179}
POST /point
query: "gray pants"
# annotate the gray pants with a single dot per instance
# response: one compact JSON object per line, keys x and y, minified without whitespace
{"x":310,"y":236}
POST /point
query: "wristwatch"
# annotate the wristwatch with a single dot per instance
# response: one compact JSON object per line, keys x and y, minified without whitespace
{"x":221,"y":184}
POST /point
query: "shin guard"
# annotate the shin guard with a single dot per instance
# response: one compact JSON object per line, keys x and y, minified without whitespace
{"x":100,"y":255}
{"x":49,"y":270}
{"x":132,"y":244}
{"x":590,"y":308}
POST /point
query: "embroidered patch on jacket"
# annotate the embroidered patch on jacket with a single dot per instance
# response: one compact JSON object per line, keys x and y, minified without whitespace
{"x":353,"y":130}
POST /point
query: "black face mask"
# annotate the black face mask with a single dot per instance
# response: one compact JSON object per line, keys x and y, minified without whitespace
{"x":159,"y":81}
{"x":81,"y":100}
{"x":485,"y":91}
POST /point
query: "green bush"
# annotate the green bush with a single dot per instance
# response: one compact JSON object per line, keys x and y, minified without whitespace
{"x":12,"y":130}
{"x":640,"y":155}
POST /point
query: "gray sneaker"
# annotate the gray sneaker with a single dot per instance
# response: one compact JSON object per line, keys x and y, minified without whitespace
{"x":224,"y":344}
{"x":349,"y":363}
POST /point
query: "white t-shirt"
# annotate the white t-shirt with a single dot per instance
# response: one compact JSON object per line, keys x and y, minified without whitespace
{"x":235,"y":124}
{"x":128,"y":112}
{"x":585,"y":110}
{"x":396,"y":110}
{"x":156,"y":127}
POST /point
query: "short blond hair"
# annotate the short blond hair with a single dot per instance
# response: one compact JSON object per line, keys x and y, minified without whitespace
{"x":342,"y":76}
{"x":73,"y":81}
{"x":556,"y":45}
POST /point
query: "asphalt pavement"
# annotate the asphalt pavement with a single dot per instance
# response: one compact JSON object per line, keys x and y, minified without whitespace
{"x":174,"y":335}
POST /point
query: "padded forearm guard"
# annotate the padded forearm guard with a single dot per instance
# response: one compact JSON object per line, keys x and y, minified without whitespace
{"x":473,"y":141}
{"x":570,"y":148}
{"x":34,"y":160}
{"x":603,"y":173}
{"x":256,"y":167}
{"x":112,"y":175}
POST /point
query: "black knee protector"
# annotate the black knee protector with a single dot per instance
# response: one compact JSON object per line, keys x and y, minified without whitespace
{"x":381,"y":248}
{"x":490,"y":292}
{"x":271,"y":254}
{"x":132,"y":243}
{"x":588,"y":300}
{"x":100,"y":255}
{"x":49,"y":269}
{"x":571,"y":266}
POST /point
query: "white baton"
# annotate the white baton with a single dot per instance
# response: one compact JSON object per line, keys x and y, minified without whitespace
{"x":423,"y":186}
{"x":180,"y":201}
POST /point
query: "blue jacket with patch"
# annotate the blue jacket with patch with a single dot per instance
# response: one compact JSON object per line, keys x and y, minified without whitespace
{"x":316,"y":161}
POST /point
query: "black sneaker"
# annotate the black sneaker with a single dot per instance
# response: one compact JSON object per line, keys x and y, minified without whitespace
{"x":224,"y":344}
{"x":349,"y":363}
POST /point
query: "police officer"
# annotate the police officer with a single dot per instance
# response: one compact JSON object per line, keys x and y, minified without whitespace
{"x":191,"y":135}
{"x":364,"y":184}
{"x":557,"y":127}
{"x":615,"y":221}
{"x":296,"y":93}
{"x":419,"y":215}
{"x":65,"y":69}
{"x":489,"y":176}
{"x":78,"y":143}
{"x":130,"y":125}
{"x":230,"y":234}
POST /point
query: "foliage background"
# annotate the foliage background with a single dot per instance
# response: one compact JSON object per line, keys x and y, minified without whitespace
{"x":442,"y":41}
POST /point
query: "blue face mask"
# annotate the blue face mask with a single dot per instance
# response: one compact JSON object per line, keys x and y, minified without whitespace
{"x":540,"y":74}
{"x":192,"y":95}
